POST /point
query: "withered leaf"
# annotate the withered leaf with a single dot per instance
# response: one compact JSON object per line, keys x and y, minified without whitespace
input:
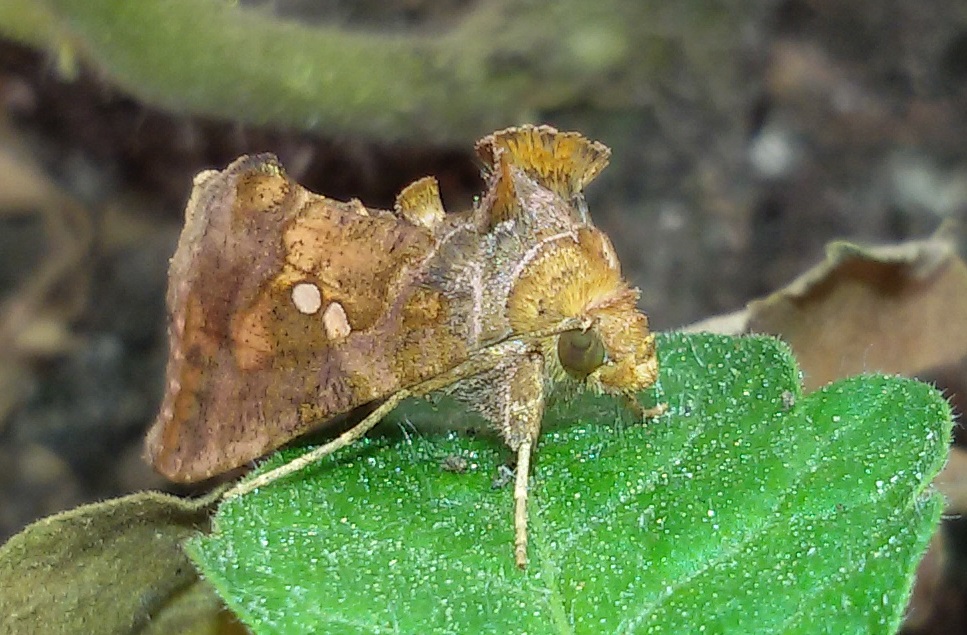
{"x":896,"y":309}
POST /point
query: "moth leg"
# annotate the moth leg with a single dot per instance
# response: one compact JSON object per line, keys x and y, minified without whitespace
{"x":505,"y":475}
{"x":649,"y":377}
{"x":520,"y":502}
{"x":483,"y":362}
{"x":632,"y":403}
{"x":346,"y":438}
{"x":522,"y":412}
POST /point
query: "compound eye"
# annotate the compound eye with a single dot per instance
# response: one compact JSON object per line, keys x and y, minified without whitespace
{"x":580,"y":352}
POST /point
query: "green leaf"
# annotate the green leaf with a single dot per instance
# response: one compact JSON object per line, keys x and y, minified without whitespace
{"x":111,"y":567}
{"x":746,"y":508}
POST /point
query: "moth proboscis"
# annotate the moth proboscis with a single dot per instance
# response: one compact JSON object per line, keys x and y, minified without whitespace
{"x":288,"y":309}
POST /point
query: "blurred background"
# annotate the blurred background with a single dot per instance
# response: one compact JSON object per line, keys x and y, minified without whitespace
{"x":746,"y":135}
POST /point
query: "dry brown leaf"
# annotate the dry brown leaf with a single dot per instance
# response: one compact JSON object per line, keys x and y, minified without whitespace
{"x":894,"y":309}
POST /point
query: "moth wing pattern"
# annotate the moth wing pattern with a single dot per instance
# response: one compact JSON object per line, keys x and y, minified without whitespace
{"x":281,"y":303}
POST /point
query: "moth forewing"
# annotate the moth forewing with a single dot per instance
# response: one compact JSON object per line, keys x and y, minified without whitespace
{"x":287,"y":309}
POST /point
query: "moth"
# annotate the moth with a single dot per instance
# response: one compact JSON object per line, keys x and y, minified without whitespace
{"x":288,"y":309}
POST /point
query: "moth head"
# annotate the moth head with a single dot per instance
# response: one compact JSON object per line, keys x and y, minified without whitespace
{"x":536,"y":178}
{"x":575,"y":277}
{"x":616,"y":352}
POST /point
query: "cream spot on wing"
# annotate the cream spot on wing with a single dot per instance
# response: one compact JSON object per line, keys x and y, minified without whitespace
{"x":336,"y":322}
{"x":307,"y":298}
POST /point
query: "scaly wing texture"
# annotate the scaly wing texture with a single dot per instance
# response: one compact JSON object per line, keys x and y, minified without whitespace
{"x":286,"y":308}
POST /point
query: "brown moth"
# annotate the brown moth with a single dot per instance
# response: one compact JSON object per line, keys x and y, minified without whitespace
{"x":288,"y":309}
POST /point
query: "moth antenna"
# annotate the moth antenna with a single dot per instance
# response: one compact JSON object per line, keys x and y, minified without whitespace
{"x":495,"y":354}
{"x":520,"y":502}
{"x":419,"y":203}
{"x":346,"y":438}
{"x":563,"y":162}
